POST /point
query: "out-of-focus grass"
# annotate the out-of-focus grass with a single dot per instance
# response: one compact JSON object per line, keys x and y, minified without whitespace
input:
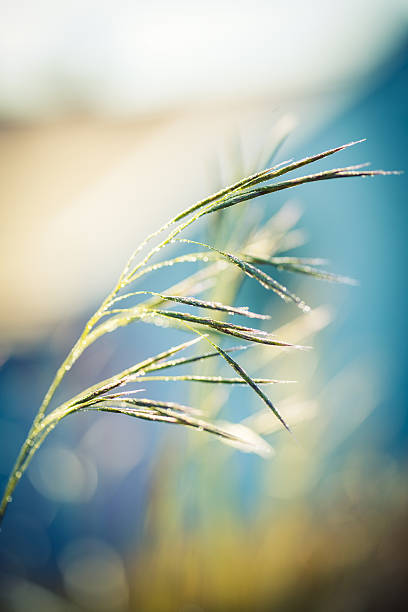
{"x":310,"y":531}
{"x":350,"y":554}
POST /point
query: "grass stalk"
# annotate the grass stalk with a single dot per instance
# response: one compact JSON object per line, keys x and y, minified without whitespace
{"x":155,"y":306}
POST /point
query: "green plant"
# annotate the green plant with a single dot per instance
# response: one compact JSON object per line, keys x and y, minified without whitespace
{"x":109,"y":396}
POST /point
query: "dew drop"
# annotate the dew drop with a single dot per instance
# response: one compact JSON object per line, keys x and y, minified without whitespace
{"x":9,"y":499}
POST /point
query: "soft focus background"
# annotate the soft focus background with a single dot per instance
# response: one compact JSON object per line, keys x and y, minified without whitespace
{"x":112,"y":117}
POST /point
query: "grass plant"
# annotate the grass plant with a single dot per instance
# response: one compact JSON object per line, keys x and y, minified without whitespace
{"x":204,"y":319}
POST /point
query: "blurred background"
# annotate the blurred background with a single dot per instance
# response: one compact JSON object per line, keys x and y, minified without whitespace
{"x":113,"y":116}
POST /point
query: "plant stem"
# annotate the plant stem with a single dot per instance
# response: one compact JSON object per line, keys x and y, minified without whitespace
{"x":17,"y":472}
{"x":29,"y":447}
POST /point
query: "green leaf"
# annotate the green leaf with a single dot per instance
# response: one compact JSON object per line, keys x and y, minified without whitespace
{"x":122,"y":377}
{"x":302,"y":266}
{"x":165,"y":412}
{"x":239,"y":331}
{"x":253,"y":272}
{"x":246,"y":377}
{"x":250,"y":381}
{"x":347,"y":172}
{"x":289,"y":167}
{"x":213,"y":379}
{"x":186,"y":360}
{"x":192,"y":301}
{"x":168,"y":263}
{"x":259,"y":177}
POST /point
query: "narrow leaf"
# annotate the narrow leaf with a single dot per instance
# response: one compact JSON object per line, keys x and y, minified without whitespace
{"x":239,"y":370}
{"x":320,"y":176}
{"x":171,"y":416}
{"x":120,"y":378}
{"x":302,"y":266}
{"x":151,"y":404}
{"x":243,"y":374}
{"x":239,"y":331}
{"x":253,"y":272}
{"x":186,"y":360}
{"x":192,"y":301}
{"x":225,"y":192}
{"x":214,"y":379}
{"x":274,"y":172}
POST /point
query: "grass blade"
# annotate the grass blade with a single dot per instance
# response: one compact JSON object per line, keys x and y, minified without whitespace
{"x":243,"y":374}
{"x":169,"y":415}
{"x":274,"y":172}
{"x":187,"y":360}
{"x":347,"y":172}
{"x":260,"y":177}
{"x":214,"y":379}
{"x":239,"y":331}
{"x":192,"y":301}
{"x":302,"y":266}
{"x":121,"y":378}
{"x":253,"y":272}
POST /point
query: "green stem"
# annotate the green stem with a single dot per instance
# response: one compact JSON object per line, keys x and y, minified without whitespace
{"x":30,"y":445}
{"x":28,"y":449}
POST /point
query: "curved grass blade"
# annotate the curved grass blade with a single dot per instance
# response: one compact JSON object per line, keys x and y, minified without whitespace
{"x":253,"y":272}
{"x":319,"y":274}
{"x":214,"y":379}
{"x":282,"y":261}
{"x":347,"y":172}
{"x":169,"y":415}
{"x":151,"y":404}
{"x":265,"y":175}
{"x":302,"y":266}
{"x":192,"y":301}
{"x":215,"y":323}
{"x":226,"y":191}
{"x":243,"y":374}
{"x":273,"y":172}
{"x":259,"y":177}
{"x":186,"y":360}
{"x":239,"y":331}
{"x":121,"y":378}
{"x":168,"y":263}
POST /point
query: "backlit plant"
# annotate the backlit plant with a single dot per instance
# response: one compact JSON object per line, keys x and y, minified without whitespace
{"x":203,"y":319}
